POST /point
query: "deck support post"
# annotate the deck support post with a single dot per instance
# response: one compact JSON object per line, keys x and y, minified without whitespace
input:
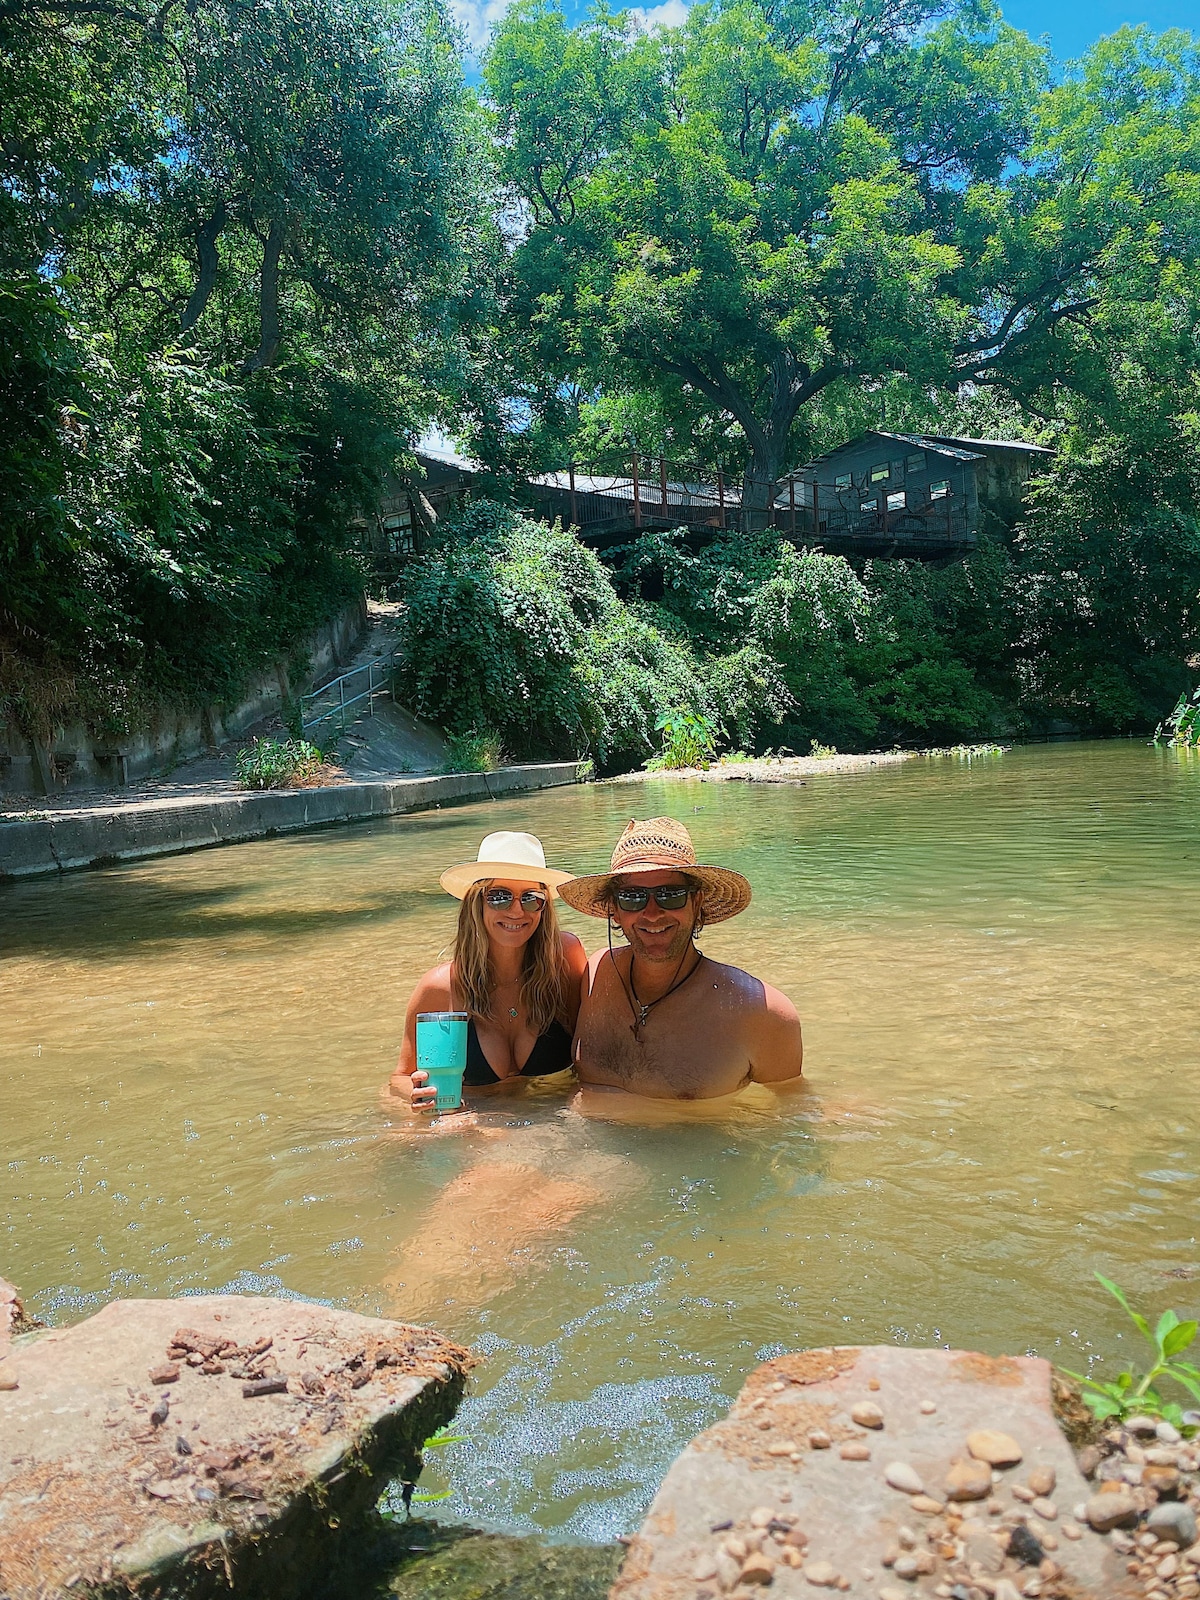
{"x":792,"y":500}
{"x":721,"y":495}
{"x":571,"y":481}
{"x":662,"y":480}
{"x":637,"y":500}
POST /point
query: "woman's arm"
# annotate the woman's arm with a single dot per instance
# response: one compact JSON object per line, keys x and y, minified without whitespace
{"x":575,"y":963}
{"x":408,"y":1082}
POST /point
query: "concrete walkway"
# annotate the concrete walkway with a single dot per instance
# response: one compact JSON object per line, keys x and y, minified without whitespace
{"x":68,"y":839}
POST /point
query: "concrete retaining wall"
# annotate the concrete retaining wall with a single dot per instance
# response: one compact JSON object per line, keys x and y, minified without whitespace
{"x":69,"y":840}
{"x":78,"y":759}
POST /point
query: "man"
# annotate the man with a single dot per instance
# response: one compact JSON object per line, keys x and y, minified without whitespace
{"x":660,"y":1018}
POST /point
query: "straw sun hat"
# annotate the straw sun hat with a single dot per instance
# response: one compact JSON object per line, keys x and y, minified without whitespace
{"x":649,"y":847}
{"x":518,"y":856}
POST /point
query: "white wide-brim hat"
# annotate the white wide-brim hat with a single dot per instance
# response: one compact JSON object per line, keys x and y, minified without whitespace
{"x":518,"y":856}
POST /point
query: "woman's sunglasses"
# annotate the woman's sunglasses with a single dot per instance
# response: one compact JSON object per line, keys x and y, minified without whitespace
{"x":531,"y":900}
{"x":671,"y":897}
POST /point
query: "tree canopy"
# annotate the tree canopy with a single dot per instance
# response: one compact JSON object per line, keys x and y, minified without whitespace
{"x":727,"y":218}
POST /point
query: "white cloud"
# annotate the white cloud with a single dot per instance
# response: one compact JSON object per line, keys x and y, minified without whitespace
{"x":670,"y":14}
{"x":477,"y":17}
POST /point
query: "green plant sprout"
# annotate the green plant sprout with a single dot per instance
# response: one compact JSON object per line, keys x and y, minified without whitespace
{"x":822,"y":752}
{"x":1133,"y":1394}
{"x":689,"y":739}
{"x":1182,"y":727}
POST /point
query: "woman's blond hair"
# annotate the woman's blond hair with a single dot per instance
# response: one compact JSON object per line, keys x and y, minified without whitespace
{"x":542,"y":988}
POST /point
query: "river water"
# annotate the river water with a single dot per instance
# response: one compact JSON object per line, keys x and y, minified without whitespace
{"x":995,"y":963}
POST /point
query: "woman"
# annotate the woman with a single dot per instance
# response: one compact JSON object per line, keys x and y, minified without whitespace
{"x":515,"y":974}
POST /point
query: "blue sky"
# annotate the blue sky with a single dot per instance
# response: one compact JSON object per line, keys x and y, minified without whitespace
{"x":1071,"y":24}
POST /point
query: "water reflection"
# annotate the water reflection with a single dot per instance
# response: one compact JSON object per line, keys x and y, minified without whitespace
{"x":995,"y":967}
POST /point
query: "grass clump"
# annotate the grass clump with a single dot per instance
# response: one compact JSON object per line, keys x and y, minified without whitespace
{"x":689,"y":739}
{"x":280,"y":764}
{"x":473,"y":752}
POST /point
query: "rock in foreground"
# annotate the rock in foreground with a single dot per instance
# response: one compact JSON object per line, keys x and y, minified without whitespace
{"x":184,"y":1446}
{"x":855,"y":1471}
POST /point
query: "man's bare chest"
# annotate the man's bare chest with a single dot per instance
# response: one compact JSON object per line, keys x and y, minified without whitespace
{"x":685,"y":1048}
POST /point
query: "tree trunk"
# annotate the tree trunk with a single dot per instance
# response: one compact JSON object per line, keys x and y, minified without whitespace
{"x":268,"y":299}
{"x":206,"y":248}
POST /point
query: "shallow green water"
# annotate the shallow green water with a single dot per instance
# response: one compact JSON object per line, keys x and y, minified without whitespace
{"x":996,"y":967}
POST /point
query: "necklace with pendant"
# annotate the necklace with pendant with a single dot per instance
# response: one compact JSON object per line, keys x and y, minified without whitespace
{"x":642,"y":1008}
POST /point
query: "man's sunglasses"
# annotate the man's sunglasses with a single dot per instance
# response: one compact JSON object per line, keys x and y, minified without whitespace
{"x":531,"y":900}
{"x":670,"y":897}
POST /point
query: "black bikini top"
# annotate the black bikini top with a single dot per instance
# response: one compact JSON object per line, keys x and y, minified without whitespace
{"x":551,"y":1053}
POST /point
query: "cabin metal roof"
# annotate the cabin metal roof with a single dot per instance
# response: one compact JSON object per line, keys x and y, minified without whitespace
{"x":949,"y":445}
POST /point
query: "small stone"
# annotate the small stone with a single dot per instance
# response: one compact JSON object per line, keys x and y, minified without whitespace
{"x":1167,"y":1433}
{"x":160,"y":1413}
{"x":1006,"y":1589}
{"x":1023,"y":1547}
{"x":906,"y":1567}
{"x":1022,"y":1491}
{"x":926,"y":1505}
{"x":1141,"y":1425}
{"x":1160,"y":1456}
{"x":1168,"y":1566}
{"x":705,"y":1569}
{"x":8,"y":1383}
{"x":1107,"y":1511}
{"x":997,"y":1449}
{"x":1046,"y":1509}
{"x":890,"y":1592}
{"x":818,"y":1439}
{"x":1043,"y":1480}
{"x":855,"y":1450}
{"x":1164,"y":1479}
{"x":981,"y":1547}
{"x":1088,"y":1460}
{"x":873,"y":1385}
{"x":927,"y":1408}
{"x":169,"y":1373}
{"x":160,"y":1488}
{"x":1174,"y":1521}
{"x":762,"y":1517}
{"x":899,"y":1475}
{"x":906,"y":1539}
{"x":968,"y":1480}
{"x":735,"y":1547}
{"x":1071,"y":1530}
{"x":821,"y":1574}
{"x":758,"y":1569}
{"x":728,"y":1570}
{"x":867,"y":1414}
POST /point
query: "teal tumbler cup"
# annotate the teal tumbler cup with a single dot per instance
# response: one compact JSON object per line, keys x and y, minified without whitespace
{"x":442,"y":1053}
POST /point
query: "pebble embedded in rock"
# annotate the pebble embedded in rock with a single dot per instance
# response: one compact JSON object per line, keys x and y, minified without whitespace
{"x":997,"y":1449}
{"x":1088,"y":1460}
{"x":899,"y":1475}
{"x":168,"y":1373}
{"x":705,"y":1569}
{"x":1164,"y":1479}
{"x":782,"y":1447}
{"x":855,"y":1450}
{"x":1141,"y":1425}
{"x":1174,"y":1521}
{"x":1107,"y":1511}
{"x":8,"y":1383}
{"x":927,"y":1408}
{"x":762,"y":1517}
{"x":1006,"y":1589}
{"x":1046,"y":1509}
{"x":758,"y":1569}
{"x":1167,"y":1433}
{"x":892,"y":1593}
{"x":906,"y":1567}
{"x":1043,"y":1480}
{"x":821,"y":1574}
{"x":728,"y":1570}
{"x":968,"y":1480}
{"x":1024,"y":1547}
{"x":1022,"y":1491}
{"x":1071,"y":1530}
{"x":867,"y":1414}
{"x":926,"y":1505}
{"x":818,"y":1439}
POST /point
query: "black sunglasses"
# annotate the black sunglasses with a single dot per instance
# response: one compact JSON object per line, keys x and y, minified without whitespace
{"x":531,"y":900}
{"x":670,"y":897}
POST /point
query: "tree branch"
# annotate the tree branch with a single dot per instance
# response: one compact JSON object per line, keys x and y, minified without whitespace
{"x":207,"y":235}
{"x":268,"y":299}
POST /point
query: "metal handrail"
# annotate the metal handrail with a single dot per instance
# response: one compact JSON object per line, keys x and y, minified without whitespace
{"x":385,"y":666}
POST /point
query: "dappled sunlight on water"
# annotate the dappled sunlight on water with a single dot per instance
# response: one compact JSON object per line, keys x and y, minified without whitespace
{"x":995,"y":964}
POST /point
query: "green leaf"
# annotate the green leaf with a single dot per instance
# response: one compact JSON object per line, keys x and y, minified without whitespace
{"x":425,"y":1497}
{"x":1139,"y":1322}
{"x":1102,"y":1407}
{"x":1180,"y":1336}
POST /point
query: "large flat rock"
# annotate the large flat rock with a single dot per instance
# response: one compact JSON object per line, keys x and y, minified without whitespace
{"x":116,"y":1475}
{"x":766,"y":1500}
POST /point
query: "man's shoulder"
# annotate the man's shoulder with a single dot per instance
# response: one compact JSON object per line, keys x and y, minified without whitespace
{"x":756,"y":996}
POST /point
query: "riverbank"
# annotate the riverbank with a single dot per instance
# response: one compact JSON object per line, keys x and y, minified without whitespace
{"x":45,"y":843}
{"x":797,"y":769}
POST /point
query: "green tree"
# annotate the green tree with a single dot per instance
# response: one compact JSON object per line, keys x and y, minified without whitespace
{"x":775,"y":198}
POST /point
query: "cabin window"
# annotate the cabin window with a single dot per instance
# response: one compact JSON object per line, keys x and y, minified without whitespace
{"x":915,"y":462}
{"x":896,"y":500}
{"x":867,"y":505}
{"x":881,"y":472}
{"x":398,"y":533}
{"x":842,"y":481}
{"x":939,"y":490}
